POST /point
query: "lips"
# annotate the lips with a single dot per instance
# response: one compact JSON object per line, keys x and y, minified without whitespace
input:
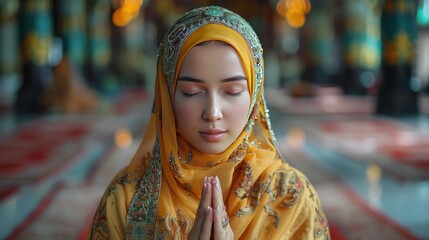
{"x":213,"y":135}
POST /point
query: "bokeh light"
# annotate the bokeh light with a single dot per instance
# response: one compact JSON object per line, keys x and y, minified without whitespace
{"x":295,"y":138}
{"x":126,"y":12}
{"x":123,"y":138}
{"x":294,"y":11}
{"x":373,"y":173}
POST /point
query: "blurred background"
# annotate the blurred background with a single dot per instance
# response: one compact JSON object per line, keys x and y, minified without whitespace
{"x":347,"y":83}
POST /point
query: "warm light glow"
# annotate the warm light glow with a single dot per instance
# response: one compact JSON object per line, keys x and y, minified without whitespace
{"x":131,"y":8}
{"x":123,"y":138}
{"x":296,"y":5}
{"x":295,"y":138}
{"x":281,"y":7}
{"x":375,"y":190}
{"x":128,"y":10}
{"x":295,"y":19}
{"x":294,"y":11}
{"x":374,"y":173}
{"x":120,"y":19}
{"x":307,"y":6}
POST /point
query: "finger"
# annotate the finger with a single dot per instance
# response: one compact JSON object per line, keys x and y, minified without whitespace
{"x":206,"y":229}
{"x":205,"y":203}
{"x":219,"y":231}
{"x":217,"y":196}
{"x":220,"y":217}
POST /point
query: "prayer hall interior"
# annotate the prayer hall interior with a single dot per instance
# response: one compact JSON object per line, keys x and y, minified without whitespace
{"x":346,"y":82}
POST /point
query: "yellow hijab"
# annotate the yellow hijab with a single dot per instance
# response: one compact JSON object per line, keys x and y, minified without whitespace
{"x":264,"y":197}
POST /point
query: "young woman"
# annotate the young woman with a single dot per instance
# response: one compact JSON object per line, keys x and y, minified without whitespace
{"x":208,"y":166}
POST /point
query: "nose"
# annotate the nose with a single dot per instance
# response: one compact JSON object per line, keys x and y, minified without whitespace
{"x":213,"y":109}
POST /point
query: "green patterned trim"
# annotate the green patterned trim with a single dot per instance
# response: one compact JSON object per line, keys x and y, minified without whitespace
{"x":141,"y":217}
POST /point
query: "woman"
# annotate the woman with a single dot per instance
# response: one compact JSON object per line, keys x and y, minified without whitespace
{"x":208,"y":166}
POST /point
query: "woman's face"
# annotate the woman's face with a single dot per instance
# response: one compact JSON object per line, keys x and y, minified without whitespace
{"x":212,"y":99}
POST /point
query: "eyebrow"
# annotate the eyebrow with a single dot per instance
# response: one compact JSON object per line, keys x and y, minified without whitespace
{"x":230,"y":79}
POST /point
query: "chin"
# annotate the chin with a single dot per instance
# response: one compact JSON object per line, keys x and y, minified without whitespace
{"x":214,"y":150}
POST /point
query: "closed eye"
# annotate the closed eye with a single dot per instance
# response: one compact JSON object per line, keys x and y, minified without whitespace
{"x":191,"y":94}
{"x":234,"y":93}
{"x":234,"y":89}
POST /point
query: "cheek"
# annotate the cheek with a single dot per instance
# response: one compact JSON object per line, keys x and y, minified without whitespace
{"x":240,"y":110}
{"x":185,"y":112}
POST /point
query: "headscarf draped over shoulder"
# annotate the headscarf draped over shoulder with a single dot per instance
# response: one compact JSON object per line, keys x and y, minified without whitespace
{"x":264,"y":196}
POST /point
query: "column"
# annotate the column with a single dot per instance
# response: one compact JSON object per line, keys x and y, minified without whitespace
{"x":35,"y":38}
{"x":397,"y":95}
{"x":70,"y":26}
{"x":99,"y":44}
{"x":9,"y":53}
{"x":361,"y":46}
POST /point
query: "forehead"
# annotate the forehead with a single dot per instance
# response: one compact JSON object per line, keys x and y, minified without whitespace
{"x":212,"y":59}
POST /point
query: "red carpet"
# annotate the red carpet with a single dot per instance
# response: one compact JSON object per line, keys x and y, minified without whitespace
{"x":397,"y":148}
{"x":40,"y":148}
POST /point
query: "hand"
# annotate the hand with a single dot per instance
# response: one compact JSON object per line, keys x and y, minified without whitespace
{"x":211,"y":220}
{"x":221,"y":227}
{"x":202,"y":227}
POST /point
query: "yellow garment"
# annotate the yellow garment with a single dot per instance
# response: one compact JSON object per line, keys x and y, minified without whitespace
{"x":265,"y":198}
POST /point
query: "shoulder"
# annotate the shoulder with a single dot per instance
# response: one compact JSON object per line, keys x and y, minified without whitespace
{"x":110,"y":216}
{"x":299,"y":196}
{"x":291,"y":186}
{"x":100,"y":227}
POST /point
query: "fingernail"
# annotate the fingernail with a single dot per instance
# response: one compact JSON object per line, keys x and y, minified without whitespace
{"x":208,"y":209}
{"x":204,"y":187}
{"x":218,"y":209}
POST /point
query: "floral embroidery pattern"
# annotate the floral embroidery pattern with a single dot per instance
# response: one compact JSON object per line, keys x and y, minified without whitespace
{"x":273,"y":214}
{"x":100,"y":220}
{"x":174,"y":166}
{"x":281,"y":183}
{"x":321,"y":229}
{"x":295,"y":188}
{"x":188,"y":158}
{"x":255,"y":197}
{"x":171,"y":227}
{"x":321,"y":224}
{"x":246,"y":183}
{"x":240,"y":152}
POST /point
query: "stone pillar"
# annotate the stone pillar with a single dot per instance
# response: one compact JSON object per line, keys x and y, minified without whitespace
{"x":318,"y":45}
{"x":70,"y":26}
{"x":35,"y":38}
{"x":99,"y":44}
{"x":397,"y":95}
{"x":9,"y":53}
{"x":361,"y":46}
